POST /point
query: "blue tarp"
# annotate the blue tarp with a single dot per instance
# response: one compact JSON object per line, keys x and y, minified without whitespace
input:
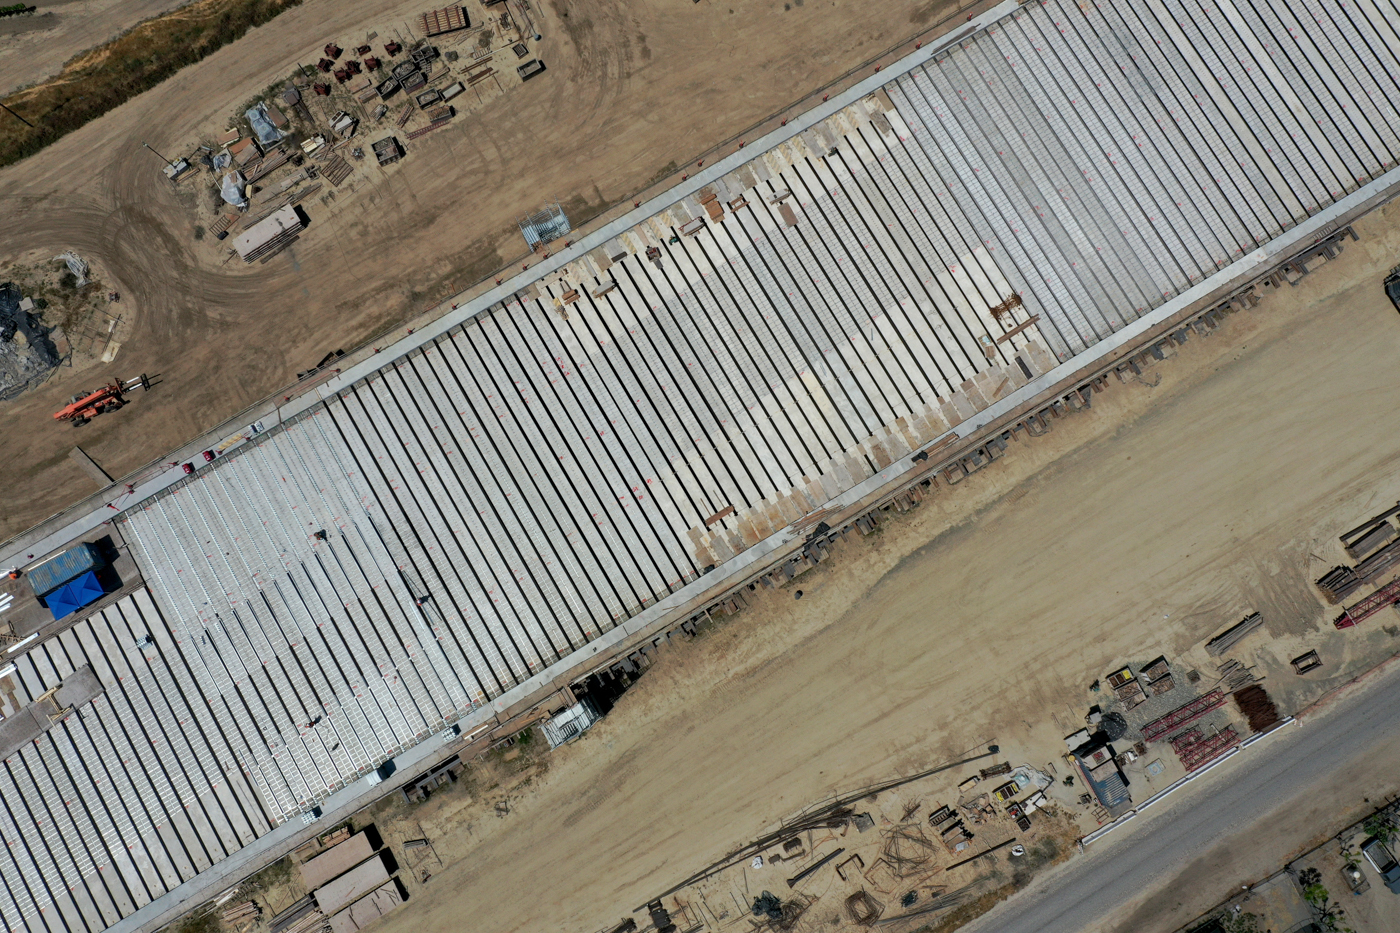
{"x":73,"y":596}
{"x":69,"y":565}
{"x":262,"y":126}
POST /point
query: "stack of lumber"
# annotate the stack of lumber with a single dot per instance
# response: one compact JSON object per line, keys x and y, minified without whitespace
{"x":267,"y":194}
{"x":447,"y":19}
{"x":273,"y":246}
{"x":480,"y":76}
{"x":405,"y":113}
{"x":336,"y":170}
{"x":293,"y":914}
{"x":334,"y":836}
{"x":236,"y":915}
{"x":272,"y":160}
{"x":1232,"y":635}
{"x":304,"y":192}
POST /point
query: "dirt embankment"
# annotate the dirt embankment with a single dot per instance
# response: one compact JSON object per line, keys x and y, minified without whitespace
{"x":1143,"y":528}
{"x":633,"y":90}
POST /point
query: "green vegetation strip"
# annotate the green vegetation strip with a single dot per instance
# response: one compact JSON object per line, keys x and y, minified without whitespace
{"x":108,"y":76}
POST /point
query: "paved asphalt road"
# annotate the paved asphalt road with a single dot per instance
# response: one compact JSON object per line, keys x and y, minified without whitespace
{"x":1194,"y":847}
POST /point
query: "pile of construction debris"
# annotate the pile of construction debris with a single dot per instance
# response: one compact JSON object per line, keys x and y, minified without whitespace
{"x":27,"y":355}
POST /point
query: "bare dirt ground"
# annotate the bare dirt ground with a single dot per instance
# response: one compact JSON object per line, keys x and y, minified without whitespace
{"x":632,"y":88}
{"x":34,"y":47}
{"x":1141,"y":529}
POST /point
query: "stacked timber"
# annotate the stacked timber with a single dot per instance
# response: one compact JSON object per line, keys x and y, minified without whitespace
{"x":272,"y":160}
{"x":405,"y":113}
{"x":238,"y":914}
{"x":309,"y":190}
{"x":273,"y":247}
{"x":267,"y":194}
{"x":1232,"y":635}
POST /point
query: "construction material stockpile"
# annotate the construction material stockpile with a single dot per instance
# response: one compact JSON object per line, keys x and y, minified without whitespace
{"x":1234,"y":676}
{"x":1183,"y":715}
{"x":437,"y":22}
{"x":237,"y":916}
{"x":336,"y":170}
{"x":1374,"y":546}
{"x":1232,"y":635}
{"x":302,"y":917}
{"x":1387,"y":595}
{"x":1197,"y":750}
{"x":1255,"y":704}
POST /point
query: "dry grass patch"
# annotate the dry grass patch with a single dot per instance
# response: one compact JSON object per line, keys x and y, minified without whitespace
{"x":108,"y":76}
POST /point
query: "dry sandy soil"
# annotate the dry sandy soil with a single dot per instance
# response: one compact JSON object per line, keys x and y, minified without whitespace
{"x":36,"y":46}
{"x":633,"y":86}
{"x":1143,"y":528}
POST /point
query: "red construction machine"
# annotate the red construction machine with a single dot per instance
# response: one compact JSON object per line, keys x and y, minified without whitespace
{"x":85,"y":406}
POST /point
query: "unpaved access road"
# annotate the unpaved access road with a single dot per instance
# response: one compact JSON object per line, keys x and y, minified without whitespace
{"x":1141,"y":529}
{"x":633,"y":87}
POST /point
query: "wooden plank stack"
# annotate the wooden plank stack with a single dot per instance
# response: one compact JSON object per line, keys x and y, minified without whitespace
{"x":447,"y":19}
{"x":273,"y":246}
{"x":274,"y":159}
{"x":1232,"y":635}
{"x":236,"y":915}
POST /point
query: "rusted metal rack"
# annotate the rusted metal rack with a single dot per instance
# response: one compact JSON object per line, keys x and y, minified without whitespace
{"x":1183,"y":715}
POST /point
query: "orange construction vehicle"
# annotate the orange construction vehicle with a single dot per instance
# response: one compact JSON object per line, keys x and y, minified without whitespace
{"x":85,"y":406}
